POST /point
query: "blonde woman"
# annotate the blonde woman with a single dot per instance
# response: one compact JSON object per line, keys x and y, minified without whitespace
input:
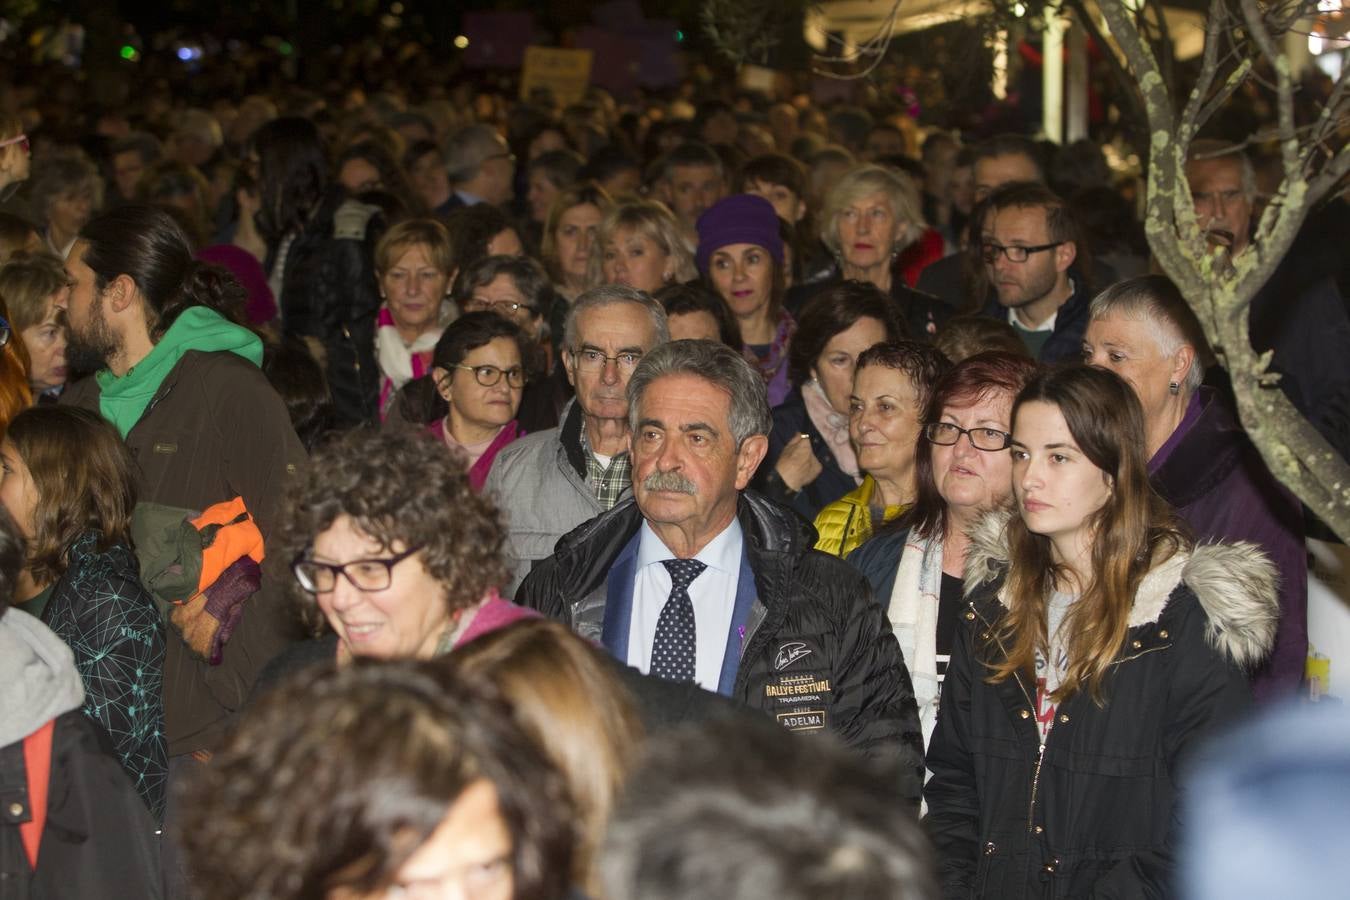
{"x":870,"y":218}
{"x":414,"y":266}
{"x":639,"y":244}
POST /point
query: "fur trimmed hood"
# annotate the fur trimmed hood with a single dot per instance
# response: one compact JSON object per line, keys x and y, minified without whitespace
{"x":1236,"y":585}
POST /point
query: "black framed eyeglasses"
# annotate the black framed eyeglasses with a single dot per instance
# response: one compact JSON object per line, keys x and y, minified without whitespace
{"x":488,"y":376}
{"x":363,"y":574}
{"x":947,"y":434}
{"x":1015,"y":253}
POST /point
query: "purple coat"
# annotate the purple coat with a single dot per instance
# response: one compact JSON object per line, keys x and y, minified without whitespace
{"x":1210,"y":471}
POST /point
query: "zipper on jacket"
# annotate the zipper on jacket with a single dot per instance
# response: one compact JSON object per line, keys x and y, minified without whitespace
{"x":356,"y":365}
{"x":1040,"y":754}
{"x":1035,"y":783}
{"x":843,"y":538}
{"x":154,"y":401}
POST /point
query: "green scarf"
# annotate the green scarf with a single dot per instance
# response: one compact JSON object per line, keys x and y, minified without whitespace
{"x":123,"y":400}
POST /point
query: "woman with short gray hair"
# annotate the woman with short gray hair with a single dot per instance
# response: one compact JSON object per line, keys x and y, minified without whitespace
{"x":1200,"y":459}
{"x":871,"y":218}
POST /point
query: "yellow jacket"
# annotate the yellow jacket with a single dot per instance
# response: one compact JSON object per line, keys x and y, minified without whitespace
{"x":847,"y":522}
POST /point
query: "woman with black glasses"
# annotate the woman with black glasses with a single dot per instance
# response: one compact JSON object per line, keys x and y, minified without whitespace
{"x":393,"y":554}
{"x":471,"y":397}
{"x":963,"y":470}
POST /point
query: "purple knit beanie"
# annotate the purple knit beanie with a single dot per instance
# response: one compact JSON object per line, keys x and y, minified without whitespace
{"x":738,"y":219}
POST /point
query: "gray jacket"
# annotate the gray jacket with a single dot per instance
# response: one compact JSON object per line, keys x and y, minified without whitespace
{"x":539,"y":483}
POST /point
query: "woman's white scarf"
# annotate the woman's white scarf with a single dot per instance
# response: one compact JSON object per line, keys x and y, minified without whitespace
{"x":401,"y":362}
{"x":913,"y":611}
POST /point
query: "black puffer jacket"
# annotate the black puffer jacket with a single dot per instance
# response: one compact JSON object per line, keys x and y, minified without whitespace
{"x":859,"y":686}
{"x":1093,"y":812}
{"x":329,"y":293}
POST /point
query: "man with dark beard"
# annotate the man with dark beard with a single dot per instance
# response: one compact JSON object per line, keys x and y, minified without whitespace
{"x":181,"y":383}
{"x":695,"y":579}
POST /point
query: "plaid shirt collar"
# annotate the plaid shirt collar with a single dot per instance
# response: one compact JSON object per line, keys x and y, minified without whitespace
{"x":608,"y":482}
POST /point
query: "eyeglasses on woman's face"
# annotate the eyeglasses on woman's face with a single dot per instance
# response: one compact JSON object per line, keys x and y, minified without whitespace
{"x":488,"y":376}
{"x":947,"y":434}
{"x":363,"y":574}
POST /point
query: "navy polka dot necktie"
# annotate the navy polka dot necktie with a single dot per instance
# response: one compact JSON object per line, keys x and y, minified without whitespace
{"x":673,"y":650}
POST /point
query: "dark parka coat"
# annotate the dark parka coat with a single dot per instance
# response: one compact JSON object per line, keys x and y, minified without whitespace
{"x":1094,"y":811}
{"x":806,"y":599}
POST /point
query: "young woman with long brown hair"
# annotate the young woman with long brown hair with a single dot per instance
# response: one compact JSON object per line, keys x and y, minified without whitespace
{"x":1101,"y":643}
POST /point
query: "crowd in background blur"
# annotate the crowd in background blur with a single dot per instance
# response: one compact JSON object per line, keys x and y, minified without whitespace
{"x":413,"y":490}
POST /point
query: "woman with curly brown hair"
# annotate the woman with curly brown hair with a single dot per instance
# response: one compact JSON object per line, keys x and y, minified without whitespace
{"x":392,"y":780}
{"x":393,"y":551}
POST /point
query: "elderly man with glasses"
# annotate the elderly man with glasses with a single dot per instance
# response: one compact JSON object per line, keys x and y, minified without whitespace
{"x":549,"y":482}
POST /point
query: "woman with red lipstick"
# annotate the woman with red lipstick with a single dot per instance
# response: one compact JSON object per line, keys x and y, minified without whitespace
{"x":740,"y":252}
{"x":414,"y":267}
{"x":962,"y":470}
{"x":870,"y":217}
{"x":1100,"y":648}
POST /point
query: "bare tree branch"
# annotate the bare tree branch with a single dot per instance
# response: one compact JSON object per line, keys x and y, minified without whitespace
{"x":1209,"y":67}
{"x":1218,"y":287}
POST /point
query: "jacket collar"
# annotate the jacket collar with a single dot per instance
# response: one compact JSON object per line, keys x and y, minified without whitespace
{"x":1235,"y":583}
{"x":570,"y":424}
{"x":774,"y":537}
{"x":1205,"y":456}
{"x":1070,"y":312}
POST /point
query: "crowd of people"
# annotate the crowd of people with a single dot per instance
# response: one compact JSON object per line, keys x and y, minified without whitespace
{"x":734,"y":499}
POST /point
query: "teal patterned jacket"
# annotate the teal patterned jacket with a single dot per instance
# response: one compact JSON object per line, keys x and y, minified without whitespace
{"x":108,"y":617}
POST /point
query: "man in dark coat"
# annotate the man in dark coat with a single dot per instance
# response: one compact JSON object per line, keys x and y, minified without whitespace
{"x":693,"y":580}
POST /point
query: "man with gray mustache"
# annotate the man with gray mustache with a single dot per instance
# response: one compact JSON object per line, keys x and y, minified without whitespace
{"x":695,"y":579}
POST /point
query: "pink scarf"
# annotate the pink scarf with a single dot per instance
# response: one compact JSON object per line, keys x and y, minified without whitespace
{"x":832,"y":426}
